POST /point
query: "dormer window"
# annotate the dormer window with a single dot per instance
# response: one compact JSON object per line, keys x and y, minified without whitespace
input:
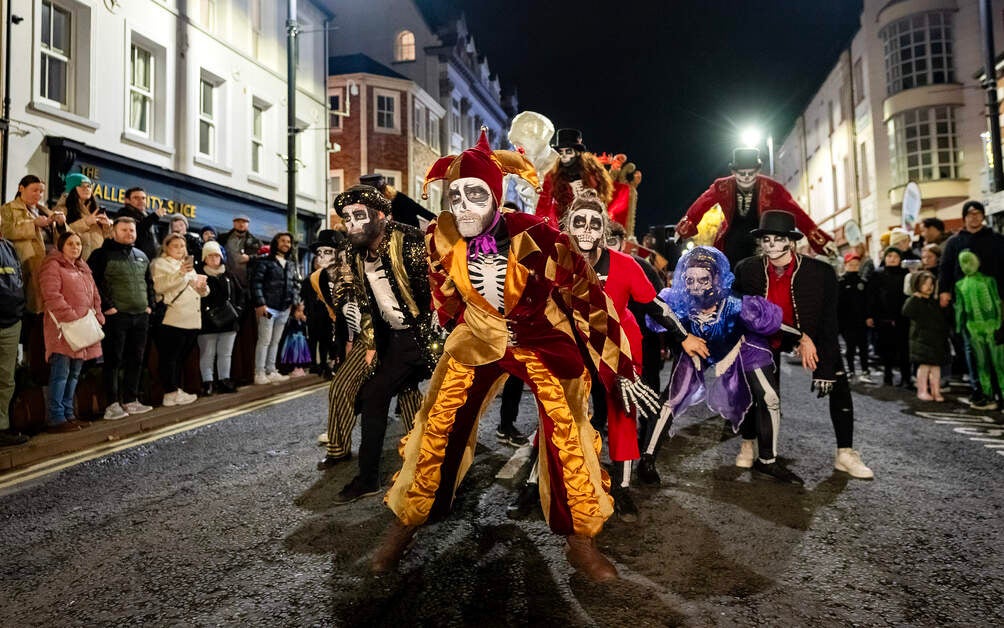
{"x":404,"y":46}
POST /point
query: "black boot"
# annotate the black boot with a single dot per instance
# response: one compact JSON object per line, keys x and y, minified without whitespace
{"x":647,"y":472}
{"x":228,"y":386}
{"x":525,"y":502}
{"x":624,"y":505}
{"x":207,"y":389}
{"x":777,"y":471}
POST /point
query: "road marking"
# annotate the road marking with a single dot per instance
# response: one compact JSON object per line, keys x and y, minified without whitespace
{"x":52,"y":465}
{"x":979,"y":428}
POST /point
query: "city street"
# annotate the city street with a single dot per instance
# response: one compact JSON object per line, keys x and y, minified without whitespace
{"x":231,"y":524}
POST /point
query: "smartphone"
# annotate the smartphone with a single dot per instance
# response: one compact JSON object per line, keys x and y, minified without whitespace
{"x":102,"y":210}
{"x":190,"y":260}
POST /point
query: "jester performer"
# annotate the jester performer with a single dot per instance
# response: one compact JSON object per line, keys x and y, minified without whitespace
{"x":978,"y":314}
{"x":743,"y":197}
{"x":575,"y":170}
{"x":806,"y":290}
{"x":738,"y":377}
{"x":507,"y":280}
{"x":395,"y":348}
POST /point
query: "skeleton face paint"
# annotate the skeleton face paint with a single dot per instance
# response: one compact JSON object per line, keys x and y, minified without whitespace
{"x":745,"y":178}
{"x":324,"y":256}
{"x":567,"y":155}
{"x":775,"y":246}
{"x":472,"y":203}
{"x":699,"y":285}
{"x":586,"y":227}
{"x":361,"y":223}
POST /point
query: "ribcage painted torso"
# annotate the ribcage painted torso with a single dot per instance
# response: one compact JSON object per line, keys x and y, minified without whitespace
{"x":487,"y":274}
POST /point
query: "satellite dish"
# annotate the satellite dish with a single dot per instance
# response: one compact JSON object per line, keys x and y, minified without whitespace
{"x":852,"y":233}
{"x":911,"y":205}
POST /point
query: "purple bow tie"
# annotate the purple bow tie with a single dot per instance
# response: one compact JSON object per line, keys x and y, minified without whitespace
{"x":485,"y":243}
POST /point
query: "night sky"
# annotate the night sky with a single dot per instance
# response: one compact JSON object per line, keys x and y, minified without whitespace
{"x":667,"y":82}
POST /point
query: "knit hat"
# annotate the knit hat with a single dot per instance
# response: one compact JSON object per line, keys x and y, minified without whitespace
{"x":898,"y":235}
{"x":978,"y":206}
{"x":211,"y":247}
{"x":892,"y":249}
{"x":75,"y":179}
{"x":177,"y":217}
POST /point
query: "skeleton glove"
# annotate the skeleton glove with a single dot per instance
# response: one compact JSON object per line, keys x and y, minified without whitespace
{"x":822,"y":387}
{"x":635,"y":395}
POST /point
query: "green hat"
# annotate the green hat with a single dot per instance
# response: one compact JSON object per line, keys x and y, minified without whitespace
{"x":75,"y":179}
{"x":892,"y":249}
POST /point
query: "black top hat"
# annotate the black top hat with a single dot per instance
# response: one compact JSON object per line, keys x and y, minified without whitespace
{"x":568,"y":138}
{"x":777,"y":222}
{"x":328,"y":237}
{"x":745,"y":158}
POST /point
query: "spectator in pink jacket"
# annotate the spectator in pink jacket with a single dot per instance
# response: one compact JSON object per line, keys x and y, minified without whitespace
{"x":68,"y":292}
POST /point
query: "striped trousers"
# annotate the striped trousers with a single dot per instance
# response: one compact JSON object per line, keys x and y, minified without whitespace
{"x":342,"y":395}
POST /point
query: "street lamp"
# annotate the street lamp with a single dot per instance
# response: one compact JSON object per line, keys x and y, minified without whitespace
{"x":750,"y":137}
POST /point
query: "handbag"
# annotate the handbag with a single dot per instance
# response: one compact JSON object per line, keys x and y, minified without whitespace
{"x":81,"y":333}
{"x":224,"y":315}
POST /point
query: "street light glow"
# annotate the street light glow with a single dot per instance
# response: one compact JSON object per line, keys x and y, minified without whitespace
{"x":750,"y":137}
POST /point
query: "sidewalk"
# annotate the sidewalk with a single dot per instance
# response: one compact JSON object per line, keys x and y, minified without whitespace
{"x":44,"y":446}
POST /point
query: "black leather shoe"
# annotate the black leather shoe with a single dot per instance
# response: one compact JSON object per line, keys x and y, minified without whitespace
{"x":356,"y":489}
{"x":623,"y":504}
{"x":509,"y":435}
{"x":777,"y":471}
{"x":647,"y":473}
{"x":228,"y":386}
{"x":12,"y":439}
{"x":525,"y":502}
{"x":331,"y":461}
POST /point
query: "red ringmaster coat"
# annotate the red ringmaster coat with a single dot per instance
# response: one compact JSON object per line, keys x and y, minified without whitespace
{"x":770,"y":195}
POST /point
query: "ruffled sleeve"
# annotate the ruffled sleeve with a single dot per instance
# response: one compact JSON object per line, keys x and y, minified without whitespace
{"x":760,"y":316}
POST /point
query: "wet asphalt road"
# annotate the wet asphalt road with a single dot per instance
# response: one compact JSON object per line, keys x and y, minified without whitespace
{"x":231,"y":524}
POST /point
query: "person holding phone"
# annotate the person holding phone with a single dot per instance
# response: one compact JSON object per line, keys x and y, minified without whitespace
{"x":83,"y":215}
{"x":177,"y":285}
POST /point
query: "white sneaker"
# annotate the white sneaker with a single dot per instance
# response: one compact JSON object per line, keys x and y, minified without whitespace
{"x":115,"y":412}
{"x":322,"y":439}
{"x":183,"y":398}
{"x":261,"y":379}
{"x":849,"y":461}
{"x":135,"y":407}
{"x":170,"y":399}
{"x":865,"y":378}
{"x":747,"y":452}
{"x":277,"y":377}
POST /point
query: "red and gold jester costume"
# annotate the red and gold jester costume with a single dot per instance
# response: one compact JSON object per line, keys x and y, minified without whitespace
{"x":551,"y":298}
{"x":769,"y":195}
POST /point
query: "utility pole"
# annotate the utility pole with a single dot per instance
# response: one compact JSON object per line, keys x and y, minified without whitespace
{"x":9,"y":21}
{"x":291,"y":131}
{"x":990,"y":84}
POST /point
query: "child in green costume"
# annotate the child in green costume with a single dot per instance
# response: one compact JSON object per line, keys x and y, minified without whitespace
{"x":978,"y":308}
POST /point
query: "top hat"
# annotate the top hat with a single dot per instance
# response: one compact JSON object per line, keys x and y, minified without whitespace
{"x":568,"y":138}
{"x":328,"y":237}
{"x":777,"y":222}
{"x":745,"y":158}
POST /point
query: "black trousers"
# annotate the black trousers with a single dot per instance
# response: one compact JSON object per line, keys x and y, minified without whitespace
{"x":123,"y":347}
{"x":399,"y":368}
{"x":841,"y":404}
{"x":512,"y":392}
{"x":763,"y":421}
{"x":173,"y":346}
{"x":651,"y":360}
{"x":856,"y":341}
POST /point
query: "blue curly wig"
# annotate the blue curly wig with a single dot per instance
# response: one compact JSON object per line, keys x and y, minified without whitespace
{"x":705,"y":257}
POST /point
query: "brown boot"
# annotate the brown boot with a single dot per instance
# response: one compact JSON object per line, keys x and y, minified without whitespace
{"x":587,"y":559}
{"x":396,"y":539}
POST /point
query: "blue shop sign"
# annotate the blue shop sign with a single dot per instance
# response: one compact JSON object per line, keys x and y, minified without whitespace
{"x":199,"y":204}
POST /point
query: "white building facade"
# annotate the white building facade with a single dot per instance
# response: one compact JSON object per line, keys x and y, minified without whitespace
{"x":185,"y":98}
{"x":900,"y":105}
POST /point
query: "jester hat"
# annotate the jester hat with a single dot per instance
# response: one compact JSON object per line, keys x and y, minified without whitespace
{"x":483,"y":163}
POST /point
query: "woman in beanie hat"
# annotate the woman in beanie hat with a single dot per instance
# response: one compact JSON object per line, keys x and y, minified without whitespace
{"x":83,"y":215}
{"x":885,"y":314}
{"x":221,"y":315}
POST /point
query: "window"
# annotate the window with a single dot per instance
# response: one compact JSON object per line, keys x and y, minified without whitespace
{"x":336,"y":183}
{"x":141,"y":90}
{"x":433,"y":132}
{"x":207,"y":118}
{"x":55,"y":62}
{"x":256,"y":28}
{"x":859,"y":82}
{"x":257,"y":137}
{"x":404,"y":46}
{"x":335,"y":104}
{"x":918,"y":51}
{"x":455,"y":117}
{"x":923,"y":145}
{"x":865,"y":180}
{"x":207,"y":14}
{"x":420,"y":122}
{"x":386,"y":111}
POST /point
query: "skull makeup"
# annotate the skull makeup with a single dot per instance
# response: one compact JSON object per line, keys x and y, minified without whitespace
{"x":472,"y":204}
{"x":586,"y":227}
{"x":323,"y":256}
{"x":567,"y":155}
{"x":700,"y":285}
{"x":775,"y":246}
{"x":361,"y":223}
{"x":745,"y":178}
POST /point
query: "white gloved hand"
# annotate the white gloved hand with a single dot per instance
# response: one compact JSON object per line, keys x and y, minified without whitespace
{"x":636,"y":395}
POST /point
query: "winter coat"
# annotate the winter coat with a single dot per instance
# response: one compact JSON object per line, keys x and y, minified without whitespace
{"x":928,"y":330}
{"x":92,"y":236}
{"x":852,"y":304}
{"x":11,"y":286}
{"x":17,"y":223}
{"x":68,"y":292}
{"x":885,"y":295}
{"x":122,"y":273}
{"x":234,"y":245}
{"x":222,"y":288}
{"x":184,"y":303}
{"x":273,"y":284}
